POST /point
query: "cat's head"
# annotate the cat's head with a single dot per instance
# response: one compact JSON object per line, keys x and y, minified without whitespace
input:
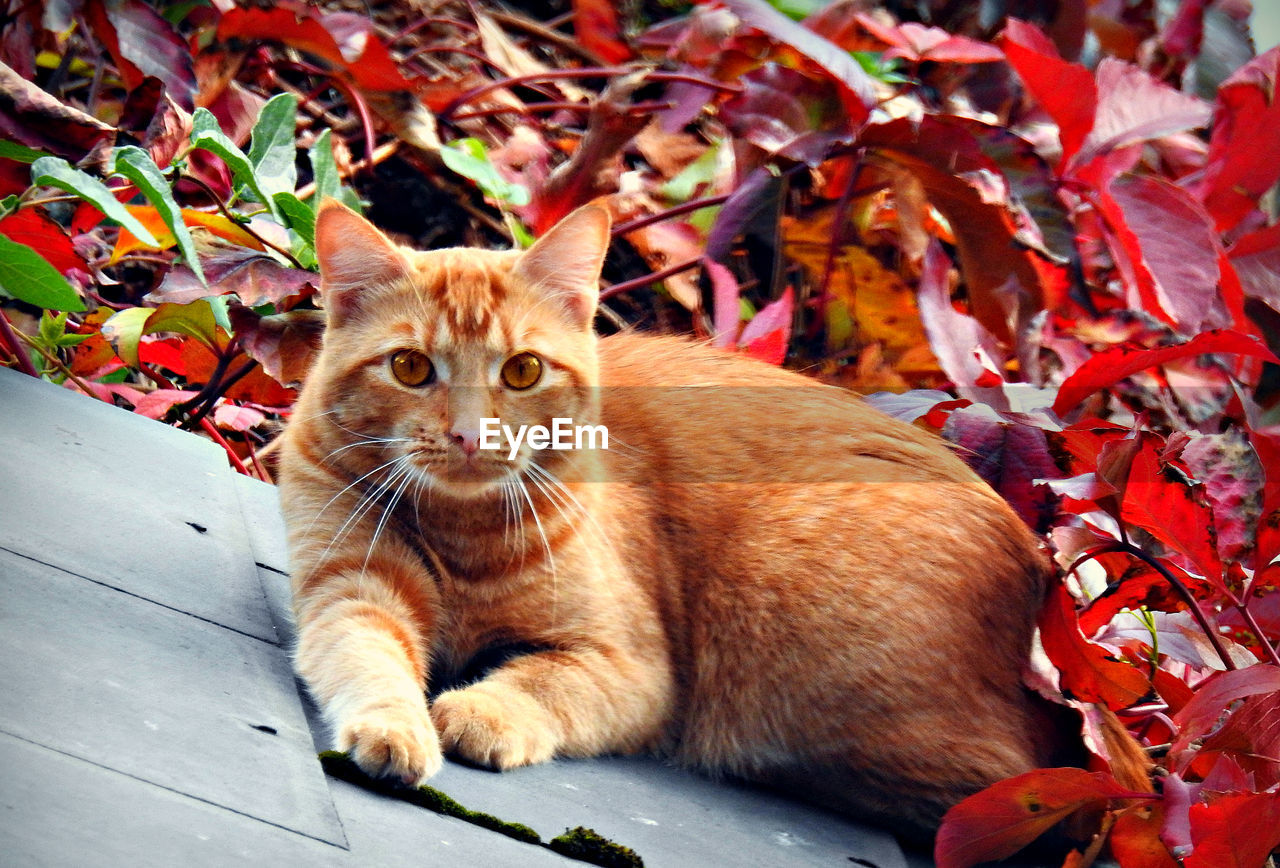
{"x":421,"y":348}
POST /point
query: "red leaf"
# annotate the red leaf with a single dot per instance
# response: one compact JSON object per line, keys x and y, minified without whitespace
{"x":1110,"y":366}
{"x":1172,"y":238}
{"x":1066,"y":90}
{"x":1238,"y":172}
{"x":1089,"y":672}
{"x":155,"y":404}
{"x":596,"y":25}
{"x":1236,"y":831}
{"x":1199,"y":716}
{"x":959,"y":341}
{"x":1251,"y":736}
{"x":1135,"y":838}
{"x":727,"y":310}
{"x":916,"y":42}
{"x":365,"y":58}
{"x":1256,"y":258}
{"x":1009,"y":815}
{"x":1267,"y":543}
{"x":33,"y":227}
{"x":1133,"y":107}
{"x":237,"y":418}
{"x":1174,"y":512}
{"x":32,"y":117}
{"x":765,"y":337}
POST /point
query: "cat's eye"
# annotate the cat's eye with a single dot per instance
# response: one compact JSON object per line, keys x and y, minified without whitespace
{"x":412,"y":368}
{"x":522,"y":371}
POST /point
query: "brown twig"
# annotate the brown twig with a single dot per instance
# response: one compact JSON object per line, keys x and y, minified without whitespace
{"x":655,"y":277}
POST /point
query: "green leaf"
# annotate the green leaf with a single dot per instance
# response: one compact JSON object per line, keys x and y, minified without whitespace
{"x":137,"y":165}
{"x":797,"y":10}
{"x":125,"y":329}
{"x":20,"y":153}
{"x":467,"y":157}
{"x":299,"y":214}
{"x":57,"y":172}
{"x":198,"y":319}
{"x":324,"y":171}
{"x":27,"y":276}
{"x":206,"y":135}
{"x":271,"y":148}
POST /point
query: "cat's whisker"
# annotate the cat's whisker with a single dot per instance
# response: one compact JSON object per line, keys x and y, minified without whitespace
{"x":546,"y":544}
{"x":353,"y":484}
{"x":566,"y":495}
{"x":367,"y":502}
{"x":404,"y":473}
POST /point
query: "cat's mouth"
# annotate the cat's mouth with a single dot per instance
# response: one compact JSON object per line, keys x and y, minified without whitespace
{"x":465,"y":476}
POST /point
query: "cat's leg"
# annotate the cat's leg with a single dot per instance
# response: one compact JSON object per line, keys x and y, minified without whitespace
{"x":362,"y":602}
{"x":364,"y":661}
{"x":602,"y":683}
{"x":580,"y":702}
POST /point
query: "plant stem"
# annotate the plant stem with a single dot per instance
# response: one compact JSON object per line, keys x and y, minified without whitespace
{"x":237,"y":219}
{"x":57,"y":363}
{"x":650,"y":278}
{"x":222,"y":441}
{"x":1183,"y":590}
{"x":650,"y":219}
{"x":1252,"y":623}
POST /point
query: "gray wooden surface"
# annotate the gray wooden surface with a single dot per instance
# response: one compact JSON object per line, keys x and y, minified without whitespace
{"x":149,"y":716}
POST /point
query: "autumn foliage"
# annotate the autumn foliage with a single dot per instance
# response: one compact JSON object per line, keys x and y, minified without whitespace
{"x":1054,"y":241}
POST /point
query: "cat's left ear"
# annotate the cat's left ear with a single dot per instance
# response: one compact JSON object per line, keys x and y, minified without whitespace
{"x":566,"y":262}
{"x":353,"y":255}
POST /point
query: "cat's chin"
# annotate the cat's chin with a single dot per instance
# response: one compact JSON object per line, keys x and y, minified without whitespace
{"x":468,"y":483}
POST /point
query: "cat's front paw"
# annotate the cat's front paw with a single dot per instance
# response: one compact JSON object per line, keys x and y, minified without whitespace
{"x":493,"y":725}
{"x":392,"y":742}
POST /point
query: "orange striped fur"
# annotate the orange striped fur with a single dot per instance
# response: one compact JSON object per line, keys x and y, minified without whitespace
{"x":760,"y":577}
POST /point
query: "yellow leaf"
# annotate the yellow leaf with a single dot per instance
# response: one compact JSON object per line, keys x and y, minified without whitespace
{"x":869,"y":303}
{"x":216,"y":224}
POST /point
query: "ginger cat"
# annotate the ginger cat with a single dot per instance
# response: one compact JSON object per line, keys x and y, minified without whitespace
{"x":759,"y":577}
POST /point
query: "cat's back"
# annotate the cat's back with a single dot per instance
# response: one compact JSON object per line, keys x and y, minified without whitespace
{"x":674,"y":404}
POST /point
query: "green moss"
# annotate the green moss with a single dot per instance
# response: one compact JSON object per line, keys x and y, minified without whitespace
{"x":586,"y":845}
{"x":341,"y":766}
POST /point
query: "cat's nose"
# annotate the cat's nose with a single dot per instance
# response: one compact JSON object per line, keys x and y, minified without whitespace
{"x":467,"y":439}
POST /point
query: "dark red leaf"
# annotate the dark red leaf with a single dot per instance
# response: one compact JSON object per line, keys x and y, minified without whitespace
{"x":1089,"y":672}
{"x":1238,"y":172}
{"x":856,"y":87}
{"x":284,"y":344}
{"x":727,"y":311}
{"x":1235,"y":831}
{"x":1065,"y":90}
{"x":255,"y":277}
{"x":33,"y":118}
{"x":1009,"y":815}
{"x":1110,"y":366}
{"x":144,"y":44}
{"x":1232,"y":477}
{"x":1009,"y":456}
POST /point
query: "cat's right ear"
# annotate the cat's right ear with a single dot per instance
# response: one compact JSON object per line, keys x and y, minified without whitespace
{"x":353,"y":255}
